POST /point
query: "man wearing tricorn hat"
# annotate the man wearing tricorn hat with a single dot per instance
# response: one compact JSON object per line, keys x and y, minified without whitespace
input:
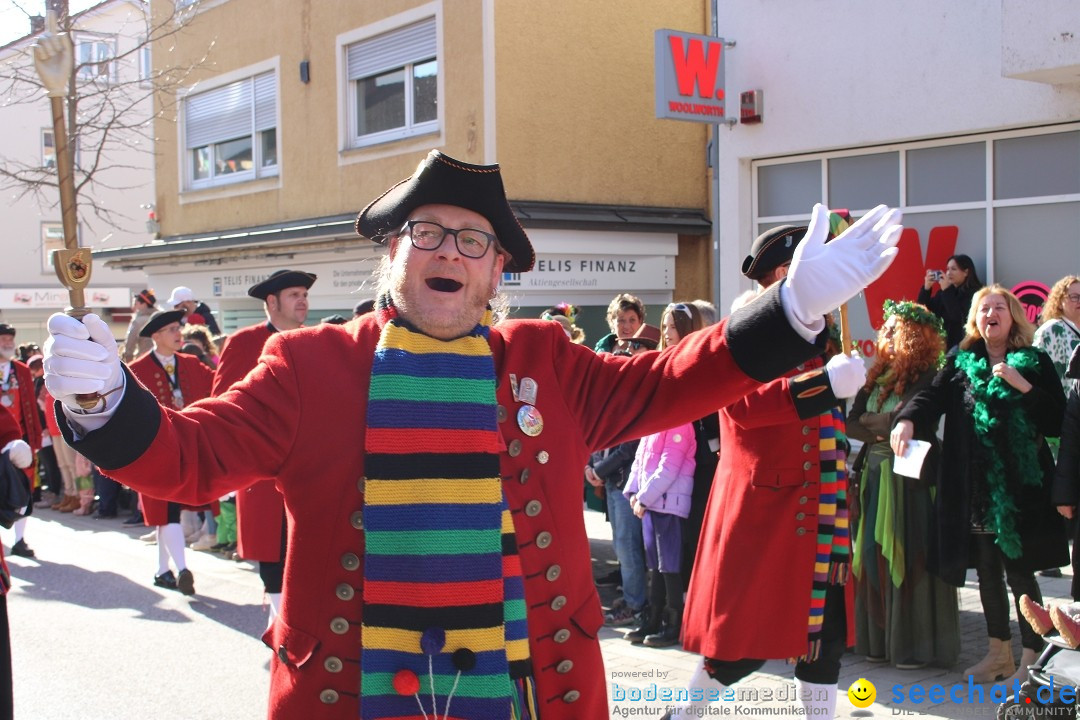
{"x":782,"y":467}
{"x":260,"y":508}
{"x":450,"y":575}
{"x":175,"y":380}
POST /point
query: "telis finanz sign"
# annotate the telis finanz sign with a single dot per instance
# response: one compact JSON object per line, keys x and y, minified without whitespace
{"x":690,"y":77}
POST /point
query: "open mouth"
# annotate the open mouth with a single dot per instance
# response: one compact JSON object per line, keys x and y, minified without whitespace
{"x":445,"y":285}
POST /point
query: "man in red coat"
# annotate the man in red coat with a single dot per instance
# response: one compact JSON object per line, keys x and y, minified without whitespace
{"x":260,"y":508}
{"x":175,"y":379}
{"x":779,"y":491}
{"x":21,"y":456}
{"x":431,"y":460}
{"x":18,"y":396}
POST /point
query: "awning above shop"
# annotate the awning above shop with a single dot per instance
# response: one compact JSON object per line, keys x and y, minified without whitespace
{"x":336,"y":231}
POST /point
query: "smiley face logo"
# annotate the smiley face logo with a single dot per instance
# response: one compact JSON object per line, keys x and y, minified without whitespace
{"x":862,"y":693}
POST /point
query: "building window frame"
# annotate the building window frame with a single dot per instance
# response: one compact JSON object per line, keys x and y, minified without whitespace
{"x":237,"y":112}
{"x":407,"y":45}
{"x":48,"y":149}
{"x":95,"y":58}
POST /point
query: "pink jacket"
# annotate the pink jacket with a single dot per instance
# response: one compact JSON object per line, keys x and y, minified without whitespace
{"x":662,"y":476}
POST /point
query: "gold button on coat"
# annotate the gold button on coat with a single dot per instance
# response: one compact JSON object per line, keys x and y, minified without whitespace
{"x":559,"y":602}
{"x":564,"y":667}
{"x":350,"y":561}
{"x":332,"y":664}
{"x":543,"y":539}
{"x":553,"y":573}
{"x":805,"y":429}
{"x":533,"y":508}
{"x":524,"y":478}
{"x":501,"y":413}
{"x":345,"y":591}
{"x":562,"y":636}
{"x":357,"y":519}
{"x":339,"y":626}
{"x":800,"y":531}
{"x":329,"y":697}
{"x":514,"y":448}
{"x":806,"y":447}
{"x":807,"y":465}
{"x":802,"y":500}
{"x":571,"y":696}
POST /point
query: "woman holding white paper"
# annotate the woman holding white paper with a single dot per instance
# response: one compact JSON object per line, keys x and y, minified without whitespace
{"x":1000,"y":397}
{"x":904,"y":615}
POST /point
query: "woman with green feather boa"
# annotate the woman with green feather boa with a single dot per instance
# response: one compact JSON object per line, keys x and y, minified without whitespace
{"x":1001,"y":398}
{"x":904,"y":614}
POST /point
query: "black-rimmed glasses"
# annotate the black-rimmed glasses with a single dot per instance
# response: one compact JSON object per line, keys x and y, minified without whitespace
{"x":427,"y":235}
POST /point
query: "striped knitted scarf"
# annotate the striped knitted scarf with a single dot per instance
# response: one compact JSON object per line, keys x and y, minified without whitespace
{"x":444,"y":626}
{"x":832,"y":561}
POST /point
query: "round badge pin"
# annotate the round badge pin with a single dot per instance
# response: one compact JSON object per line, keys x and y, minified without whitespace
{"x":530,"y":420}
{"x":5,"y":400}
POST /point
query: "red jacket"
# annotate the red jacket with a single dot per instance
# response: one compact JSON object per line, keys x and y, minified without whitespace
{"x":195,"y":380}
{"x":749,"y":594}
{"x":9,"y":430}
{"x":298,"y":417}
{"x":260,"y":508}
{"x":26,"y":412}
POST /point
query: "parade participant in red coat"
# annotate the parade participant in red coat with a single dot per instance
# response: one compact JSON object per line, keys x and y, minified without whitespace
{"x":175,"y":379}
{"x":779,"y":496}
{"x":451,"y":449}
{"x":21,"y":456}
{"x":18,"y":396}
{"x":260,"y":508}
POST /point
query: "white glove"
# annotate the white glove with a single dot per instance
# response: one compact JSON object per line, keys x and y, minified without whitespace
{"x":823,"y":276}
{"x":847,"y":373}
{"x":81,"y":358}
{"x":19,"y":453}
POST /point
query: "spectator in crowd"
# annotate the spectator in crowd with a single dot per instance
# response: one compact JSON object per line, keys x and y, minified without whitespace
{"x":1059,"y":334}
{"x":195,"y":312}
{"x":201,"y":336}
{"x":625,"y":314}
{"x":364,"y":307}
{"x":144,"y":305}
{"x":903,"y":613}
{"x":1000,"y":398}
{"x":957,"y":284}
{"x":659,"y":489}
{"x":708,"y":312}
{"x":1066,"y":494}
{"x":566,"y":315}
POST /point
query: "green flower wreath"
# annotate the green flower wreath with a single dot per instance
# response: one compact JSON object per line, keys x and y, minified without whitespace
{"x":913,"y":312}
{"x":990,"y":391}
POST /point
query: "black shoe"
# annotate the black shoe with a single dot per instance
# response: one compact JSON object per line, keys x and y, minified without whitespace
{"x":22,"y":549}
{"x":1051,"y":572}
{"x":669,"y":633}
{"x":651,"y":622}
{"x":166,"y":580}
{"x":135,"y":519}
{"x":612,"y":579}
{"x":185,"y":582}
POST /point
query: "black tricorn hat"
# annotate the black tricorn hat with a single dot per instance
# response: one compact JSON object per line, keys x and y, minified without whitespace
{"x":771,"y":249}
{"x":442,"y":180}
{"x":279,"y":280}
{"x":159,"y":320}
{"x":6,"y":329}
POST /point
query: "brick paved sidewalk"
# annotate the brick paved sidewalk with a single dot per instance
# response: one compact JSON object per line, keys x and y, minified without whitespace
{"x":638,"y":669}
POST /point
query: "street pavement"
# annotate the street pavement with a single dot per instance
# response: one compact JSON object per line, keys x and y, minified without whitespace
{"x":93,"y":639}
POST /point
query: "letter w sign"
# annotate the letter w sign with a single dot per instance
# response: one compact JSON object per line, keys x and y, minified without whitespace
{"x":689,"y":77}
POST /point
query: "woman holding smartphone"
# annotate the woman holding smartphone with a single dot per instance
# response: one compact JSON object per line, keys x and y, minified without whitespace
{"x":957,"y":283}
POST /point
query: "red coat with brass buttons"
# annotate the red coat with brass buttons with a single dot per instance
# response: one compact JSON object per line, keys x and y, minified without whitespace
{"x":260,"y":508}
{"x":749,"y":595}
{"x":298,"y":417}
{"x":195,"y":379}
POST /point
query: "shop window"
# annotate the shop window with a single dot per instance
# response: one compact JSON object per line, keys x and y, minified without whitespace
{"x":1035,"y":242}
{"x":949,"y":174}
{"x":1037,"y":165}
{"x":393,"y":85}
{"x":863,"y":181}
{"x":789,"y":188}
{"x":231,"y":132}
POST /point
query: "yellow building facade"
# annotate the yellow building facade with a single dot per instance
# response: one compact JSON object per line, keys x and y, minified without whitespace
{"x":300,"y":112}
